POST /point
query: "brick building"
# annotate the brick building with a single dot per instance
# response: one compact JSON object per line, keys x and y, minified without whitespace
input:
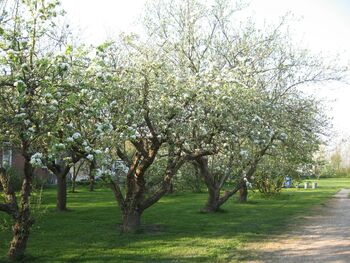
{"x":9,"y":156}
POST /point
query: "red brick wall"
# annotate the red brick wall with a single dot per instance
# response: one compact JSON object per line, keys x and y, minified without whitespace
{"x":18,"y":165}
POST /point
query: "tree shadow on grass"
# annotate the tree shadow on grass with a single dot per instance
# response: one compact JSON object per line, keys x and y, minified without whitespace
{"x":172,"y":233}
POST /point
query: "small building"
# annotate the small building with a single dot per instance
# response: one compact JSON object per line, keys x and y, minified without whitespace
{"x":9,"y":156}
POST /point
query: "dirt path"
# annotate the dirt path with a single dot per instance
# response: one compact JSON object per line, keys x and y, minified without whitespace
{"x":324,"y":237}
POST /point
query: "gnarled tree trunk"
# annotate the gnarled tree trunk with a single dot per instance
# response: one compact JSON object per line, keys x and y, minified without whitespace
{"x":20,"y":229}
{"x":135,"y":202}
{"x":23,"y":220}
{"x":20,"y":213}
{"x":213,"y":201}
{"x":131,"y":220}
{"x":134,"y":196}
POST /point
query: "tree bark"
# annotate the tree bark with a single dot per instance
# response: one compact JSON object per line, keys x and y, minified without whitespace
{"x":215,"y":200}
{"x":60,"y":170}
{"x":212,"y":204}
{"x":135,"y":188}
{"x":21,"y":229}
{"x":20,"y":213}
{"x":243,"y":193}
{"x":61,"y":192}
{"x":74,"y":184}
{"x":171,"y":188}
{"x":92,"y":175}
{"x":75,"y":174}
{"x":131,"y":220}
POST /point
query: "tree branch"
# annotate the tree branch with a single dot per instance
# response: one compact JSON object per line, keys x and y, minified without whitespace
{"x":123,"y":156}
{"x":118,"y":194}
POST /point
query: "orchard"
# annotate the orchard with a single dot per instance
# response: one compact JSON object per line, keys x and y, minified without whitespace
{"x":200,"y":96}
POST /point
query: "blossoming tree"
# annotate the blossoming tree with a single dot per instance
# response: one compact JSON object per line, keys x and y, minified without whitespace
{"x":32,"y":80}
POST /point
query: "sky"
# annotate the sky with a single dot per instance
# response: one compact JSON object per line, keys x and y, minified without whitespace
{"x":320,"y":25}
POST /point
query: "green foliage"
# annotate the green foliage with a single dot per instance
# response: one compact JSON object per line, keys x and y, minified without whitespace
{"x":328,"y":171}
{"x":15,"y":178}
{"x":188,"y":179}
{"x":269,"y":183}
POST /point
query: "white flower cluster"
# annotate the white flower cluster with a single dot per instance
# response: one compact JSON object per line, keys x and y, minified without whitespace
{"x":36,"y":161}
{"x":256,"y":119}
{"x":104,"y":172}
{"x":97,"y":151}
{"x":244,"y":154}
{"x":76,"y":136}
{"x":64,"y":66}
{"x":21,"y":115}
{"x":283,"y":136}
{"x":19,"y":83}
{"x":103,"y":128}
{"x":247,"y":183}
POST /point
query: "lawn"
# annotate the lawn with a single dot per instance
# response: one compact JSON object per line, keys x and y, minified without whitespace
{"x":174,"y":230}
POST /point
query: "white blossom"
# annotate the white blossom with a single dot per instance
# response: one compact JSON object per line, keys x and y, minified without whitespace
{"x":90,"y":157}
{"x":60,"y":146}
{"x":97,"y":151}
{"x":20,"y":115}
{"x":76,"y":135}
{"x":36,"y":161}
{"x":64,"y":66}
{"x":283,"y":136}
{"x":87,"y":149}
{"x":244,"y":153}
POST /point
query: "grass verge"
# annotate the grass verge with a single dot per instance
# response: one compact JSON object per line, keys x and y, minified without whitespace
{"x":175,"y":231}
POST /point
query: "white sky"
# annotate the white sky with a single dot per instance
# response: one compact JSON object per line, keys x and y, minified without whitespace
{"x":324,"y":26}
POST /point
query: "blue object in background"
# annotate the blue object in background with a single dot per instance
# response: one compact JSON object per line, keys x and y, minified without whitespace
{"x":287,"y":182}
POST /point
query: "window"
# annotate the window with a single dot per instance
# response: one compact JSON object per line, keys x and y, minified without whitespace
{"x":6,"y":155}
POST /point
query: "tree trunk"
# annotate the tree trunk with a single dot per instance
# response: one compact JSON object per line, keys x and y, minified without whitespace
{"x":20,"y":230}
{"x":213,"y":204}
{"x":92,"y":175}
{"x":60,"y":169}
{"x":75,"y":175}
{"x":131,"y":220}
{"x":74,"y":184}
{"x":170,"y":188}
{"x":243,"y":193}
{"x":21,"y":215}
{"x":197,"y":185}
{"x":91,"y":183}
{"x":61,"y":192}
{"x":74,"y":178}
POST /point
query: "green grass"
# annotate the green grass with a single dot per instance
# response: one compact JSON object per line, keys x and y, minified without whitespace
{"x":176,"y":231}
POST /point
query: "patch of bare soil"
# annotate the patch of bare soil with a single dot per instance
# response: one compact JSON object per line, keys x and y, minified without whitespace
{"x":323,"y":237}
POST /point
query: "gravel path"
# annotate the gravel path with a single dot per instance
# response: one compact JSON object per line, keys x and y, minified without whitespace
{"x":324,"y":237}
